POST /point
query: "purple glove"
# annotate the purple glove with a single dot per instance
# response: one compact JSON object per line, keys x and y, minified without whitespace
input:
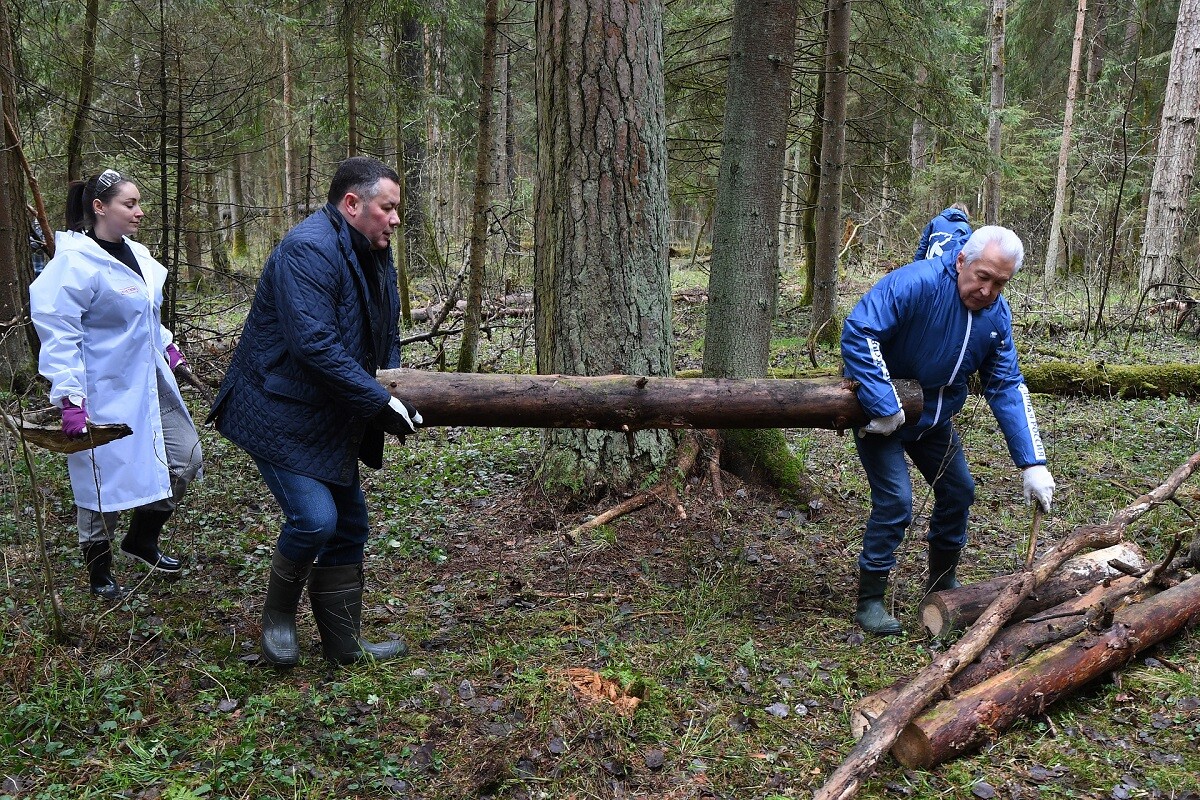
{"x":174,"y":357}
{"x":74,"y":420}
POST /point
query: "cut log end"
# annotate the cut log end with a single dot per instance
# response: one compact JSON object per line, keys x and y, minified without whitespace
{"x":912,"y":748}
{"x":935,"y":617}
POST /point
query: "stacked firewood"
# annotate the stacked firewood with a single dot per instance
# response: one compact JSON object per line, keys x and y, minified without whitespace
{"x":1090,"y":617}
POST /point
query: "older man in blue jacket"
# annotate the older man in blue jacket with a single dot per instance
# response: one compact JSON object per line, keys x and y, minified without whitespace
{"x":301,"y":398}
{"x":936,"y":321}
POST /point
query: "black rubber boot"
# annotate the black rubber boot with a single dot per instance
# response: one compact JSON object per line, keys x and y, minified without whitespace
{"x":142,"y":540}
{"x":97,"y":557}
{"x":943,"y":566}
{"x":336,"y":594}
{"x":871,"y":616}
{"x":278,"y":639}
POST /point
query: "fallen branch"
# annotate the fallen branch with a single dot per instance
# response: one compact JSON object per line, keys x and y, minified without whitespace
{"x":845,"y":781}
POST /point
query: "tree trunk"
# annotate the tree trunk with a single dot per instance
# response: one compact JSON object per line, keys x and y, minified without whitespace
{"x":1125,"y":381}
{"x":291,"y":212}
{"x":218,"y":255}
{"x":237,"y":217}
{"x":411,"y":74}
{"x":1170,"y":188}
{"x":1055,"y":245}
{"x":18,"y":340}
{"x":484,"y":178}
{"x":349,"y":26}
{"x":602,"y":300}
{"x":991,"y":191}
{"x":953,"y":609}
{"x":963,"y":723}
{"x":83,"y":103}
{"x":632,"y":402}
{"x":833,"y":156}
{"x":918,"y":150}
{"x":743,"y":282}
{"x":808,"y":223}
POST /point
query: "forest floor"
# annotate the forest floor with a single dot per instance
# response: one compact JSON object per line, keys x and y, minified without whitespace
{"x":712,"y":656}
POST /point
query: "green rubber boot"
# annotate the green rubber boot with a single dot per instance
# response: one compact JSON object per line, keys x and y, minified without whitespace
{"x":871,"y":616}
{"x":336,"y":594}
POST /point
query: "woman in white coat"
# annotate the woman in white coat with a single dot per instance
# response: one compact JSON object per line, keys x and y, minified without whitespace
{"x":96,"y":307}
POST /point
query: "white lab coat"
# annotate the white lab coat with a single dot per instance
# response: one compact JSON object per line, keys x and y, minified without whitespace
{"x":102,"y":340}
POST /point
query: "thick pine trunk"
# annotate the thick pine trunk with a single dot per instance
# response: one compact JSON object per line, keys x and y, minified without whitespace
{"x":963,"y":723}
{"x":15,"y":269}
{"x":633,"y":403}
{"x":602,"y":299}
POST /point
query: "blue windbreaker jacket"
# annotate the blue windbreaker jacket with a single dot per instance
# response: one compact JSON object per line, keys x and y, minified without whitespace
{"x":945,"y":232}
{"x":913,"y":325}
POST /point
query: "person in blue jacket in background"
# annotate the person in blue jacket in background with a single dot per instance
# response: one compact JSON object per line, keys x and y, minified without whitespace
{"x":946,"y":232}
{"x":301,"y":397}
{"x":936,"y":321}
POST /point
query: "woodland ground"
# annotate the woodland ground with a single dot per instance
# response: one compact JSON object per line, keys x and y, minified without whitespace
{"x":732,"y":626}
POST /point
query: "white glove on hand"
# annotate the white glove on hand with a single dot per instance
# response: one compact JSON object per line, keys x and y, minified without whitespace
{"x":884,"y":426}
{"x":1039,"y":485}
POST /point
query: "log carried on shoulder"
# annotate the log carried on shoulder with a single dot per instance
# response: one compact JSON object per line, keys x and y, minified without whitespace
{"x":632,"y":403}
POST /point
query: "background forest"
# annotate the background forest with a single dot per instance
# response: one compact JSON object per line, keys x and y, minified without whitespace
{"x":776,"y":170}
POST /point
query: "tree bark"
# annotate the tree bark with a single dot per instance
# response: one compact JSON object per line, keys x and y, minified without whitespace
{"x":484,"y":182}
{"x":845,"y":781}
{"x":1125,"y":381}
{"x":744,"y":278}
{"x":991,"y":190}
{"x":1055,"y":244}
{"x":83,"y":102}
{"x":963,"y":723}
{"x":601,"y":284}
{"x":632,"y":403}
{"x":942,"y":612}
{"x":824,"y":325}
{"x":17,"y":339}
{"x":1171,"y":184}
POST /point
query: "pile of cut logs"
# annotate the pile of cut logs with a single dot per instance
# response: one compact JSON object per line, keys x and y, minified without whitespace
{"x":1090,"y":617}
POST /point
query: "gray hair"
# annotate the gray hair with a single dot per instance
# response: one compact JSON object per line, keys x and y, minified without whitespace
{"x":1008,"y":242}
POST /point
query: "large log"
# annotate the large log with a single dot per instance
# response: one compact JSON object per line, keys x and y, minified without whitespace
{"x":963,"y":723}
{"x":951,"y":609}
{"x":631,"y":402}
{"x":845,"y":781}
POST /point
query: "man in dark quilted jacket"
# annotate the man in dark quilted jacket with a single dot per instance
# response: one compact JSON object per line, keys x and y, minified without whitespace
{"x":301,"y":398}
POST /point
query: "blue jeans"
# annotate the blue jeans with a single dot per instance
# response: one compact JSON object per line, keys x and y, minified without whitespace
{"x":323,"y":522}
{"x":938,"y":454}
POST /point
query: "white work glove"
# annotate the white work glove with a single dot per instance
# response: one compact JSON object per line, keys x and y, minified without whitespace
{"x":399,"y":418}
{"x":1039,"y":486}
{"x":884,"y":426}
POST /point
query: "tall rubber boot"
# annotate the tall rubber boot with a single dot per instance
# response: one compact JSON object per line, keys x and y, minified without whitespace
{"x":278,"y":640}
{"x":943,"y":566}
{"x":97,"y":557}
{"x":871,"y":616}
{"x":141,"y":542}
{"x":336,"y":594}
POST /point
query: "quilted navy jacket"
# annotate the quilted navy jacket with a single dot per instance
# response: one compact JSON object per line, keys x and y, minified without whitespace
{"x":912,"y":324}
{"x":301,"y":390}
